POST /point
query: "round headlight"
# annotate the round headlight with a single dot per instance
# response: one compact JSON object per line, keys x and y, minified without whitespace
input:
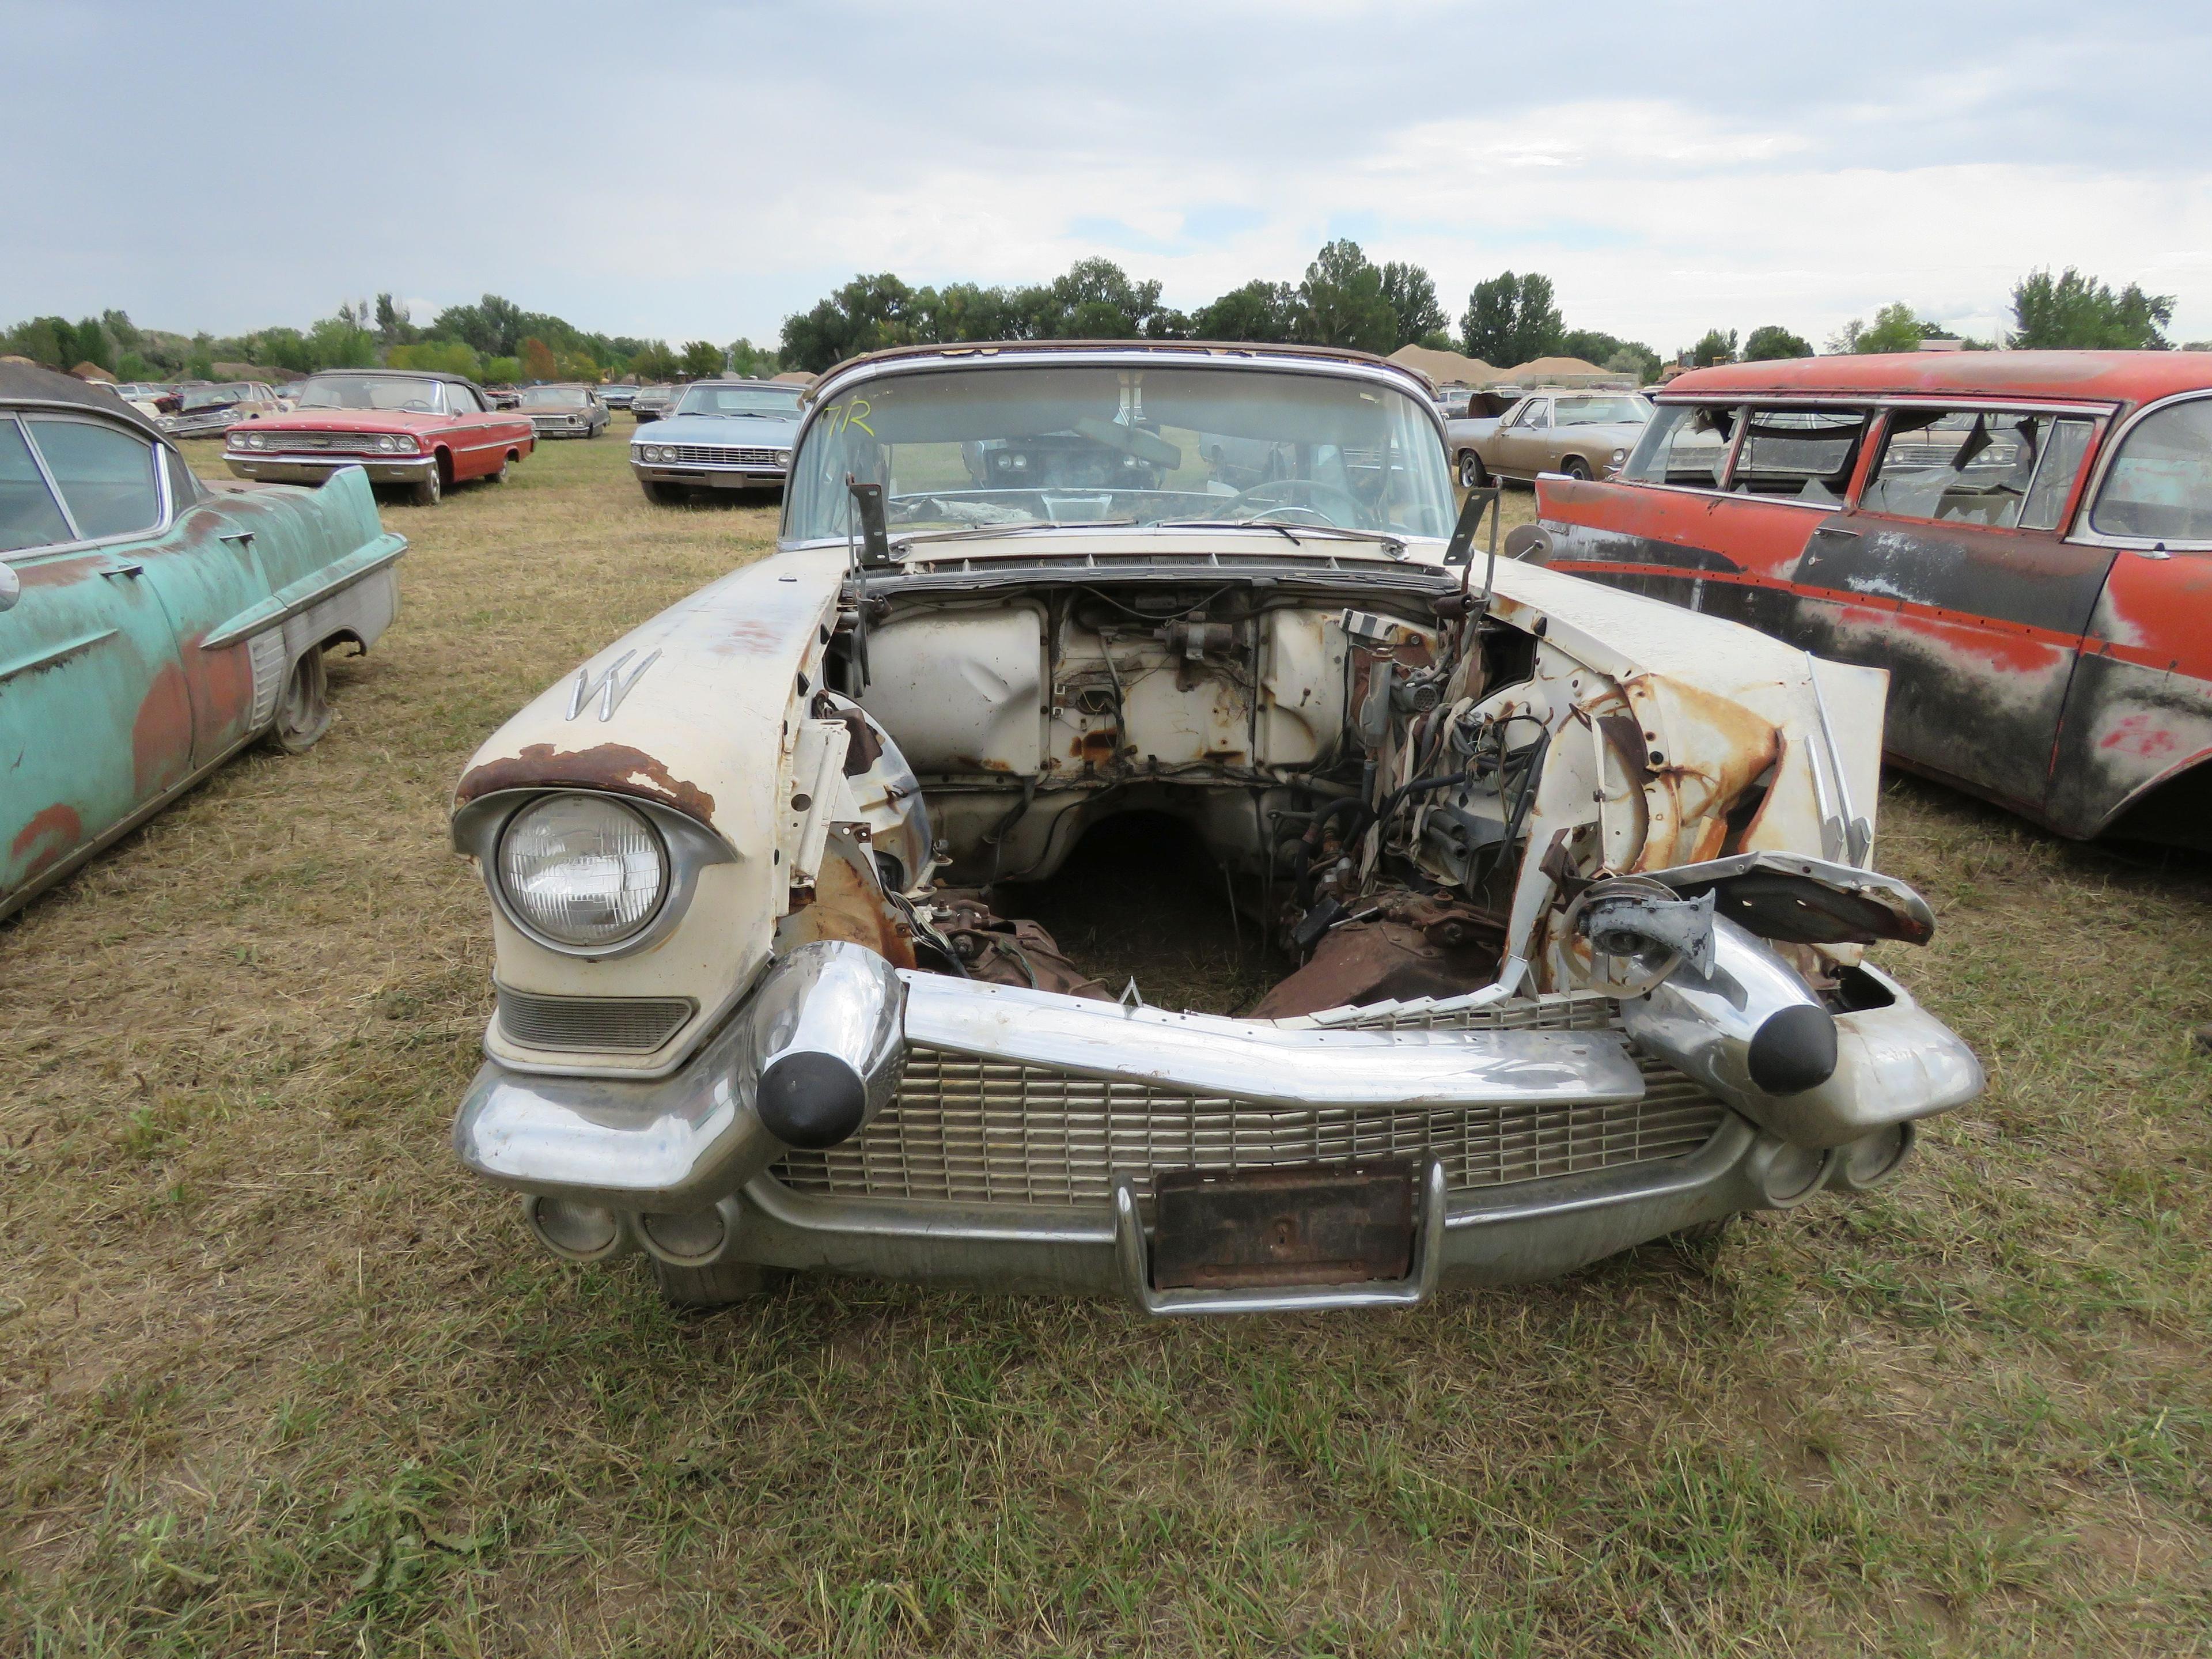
{"x":583,"y":871}
{"x":659,"y":453}
{"x":1618,"y":456}
{"x":783,"y":458}
{"x":387,"y":444}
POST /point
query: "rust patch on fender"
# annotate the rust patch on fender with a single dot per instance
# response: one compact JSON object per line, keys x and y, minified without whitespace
{"x":616,"y":767}
{"x":847,"y":903}
{"x":48,"y":837}
{"x":161,"y":736}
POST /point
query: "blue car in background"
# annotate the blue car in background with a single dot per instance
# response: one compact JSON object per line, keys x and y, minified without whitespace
{"x":721,"y":434}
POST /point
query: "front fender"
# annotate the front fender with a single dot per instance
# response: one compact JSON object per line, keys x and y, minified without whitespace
{"x":697,"y":712}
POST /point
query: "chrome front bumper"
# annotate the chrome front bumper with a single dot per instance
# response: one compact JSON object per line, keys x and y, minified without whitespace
{"x":695,"y":1141}
{"x":314,"y":469}
{"x":710,"y":477}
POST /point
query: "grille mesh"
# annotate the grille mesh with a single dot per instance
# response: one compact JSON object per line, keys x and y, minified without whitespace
{"x":345,"y":443}
{"x":638,"y":1025}
{"x":976,"y":1130}
{"x":722,"y":455}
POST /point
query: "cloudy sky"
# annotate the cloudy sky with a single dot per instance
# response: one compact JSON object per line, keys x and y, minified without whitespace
{"x":691,"y":170}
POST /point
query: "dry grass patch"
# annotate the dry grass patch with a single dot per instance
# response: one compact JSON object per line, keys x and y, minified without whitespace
{"x":277,"y":1377}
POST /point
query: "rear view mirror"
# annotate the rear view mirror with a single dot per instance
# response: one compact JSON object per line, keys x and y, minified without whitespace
{"x":11,"y":587}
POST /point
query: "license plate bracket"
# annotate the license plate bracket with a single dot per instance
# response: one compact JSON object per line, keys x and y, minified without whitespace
{"x":1313,"y":1223}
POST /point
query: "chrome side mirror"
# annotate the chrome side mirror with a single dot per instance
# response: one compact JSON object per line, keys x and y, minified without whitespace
{"x":11,"y":587}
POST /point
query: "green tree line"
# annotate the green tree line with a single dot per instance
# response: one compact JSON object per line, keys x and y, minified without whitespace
{"x":493,"y":339}
{"x":1346,"y":299}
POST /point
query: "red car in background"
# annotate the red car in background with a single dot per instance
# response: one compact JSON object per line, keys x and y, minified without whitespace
{"x":2023,"y":539}
{"x":419,"y":430}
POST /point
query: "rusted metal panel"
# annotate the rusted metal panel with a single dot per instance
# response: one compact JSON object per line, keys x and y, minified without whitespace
{"x":1310,"y":1225}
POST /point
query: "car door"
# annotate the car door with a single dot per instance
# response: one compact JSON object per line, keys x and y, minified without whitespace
{"x":95,"y":717}
{"x":477,"y":445}
{"x":1523,"y":438}
{"x":1951,"y":570}
{"x":2138,"y":720}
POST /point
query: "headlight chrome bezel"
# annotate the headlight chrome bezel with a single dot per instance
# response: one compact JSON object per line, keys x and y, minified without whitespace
{"x":687,"y":846}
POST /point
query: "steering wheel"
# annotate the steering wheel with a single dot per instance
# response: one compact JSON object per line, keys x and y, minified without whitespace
{"x":421,"y":404}
{"x":1264,"y":495}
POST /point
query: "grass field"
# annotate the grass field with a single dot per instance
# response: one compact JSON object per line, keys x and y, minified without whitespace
{"x":279,"y":1379}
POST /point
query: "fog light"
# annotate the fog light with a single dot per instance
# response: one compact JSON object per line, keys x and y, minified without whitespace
{"x":690,"y":1238}
{"x":1873,"y":1159}
{"x":1787,"y":1176}
{"x":574,"y":1232}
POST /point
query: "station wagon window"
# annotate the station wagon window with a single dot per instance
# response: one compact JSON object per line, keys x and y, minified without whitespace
{"x":29,"y":516}
{"x":1685,"y":445}
{"x":1799,"y":454}
{"x":1967,"y":465}
{"x":2160,"y":484}
{"x":106,"y":477}
{"x":2064,"y":451}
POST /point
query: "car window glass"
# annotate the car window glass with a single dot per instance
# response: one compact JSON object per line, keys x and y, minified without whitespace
{"x":184,"y":485}
{"x":1799,"y":454}
{"x":29,"y":516}
{"x":461,"y":400}
{"x":1957,"y":465}
{"x":1535,"y":415}
{"x":106,"y":476}
{"x":2160,"y":484}
{"x":2063,"y":449}
{"x":1685,"y":445}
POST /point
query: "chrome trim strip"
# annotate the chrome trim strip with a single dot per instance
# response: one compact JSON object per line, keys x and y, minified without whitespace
{"x":1264,"y":1063}
{"x":286,"y":603}
{"x":59,"y":653}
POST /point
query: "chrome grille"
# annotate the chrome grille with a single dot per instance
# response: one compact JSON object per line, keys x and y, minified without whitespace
{"x":638,"y":1025}
{"x":349,"y":443}
{"x":721,"y":455}
{"x":968,"y":1130}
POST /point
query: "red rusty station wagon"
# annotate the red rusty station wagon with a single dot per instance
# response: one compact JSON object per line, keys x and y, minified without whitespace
{"x":2023,"y":539}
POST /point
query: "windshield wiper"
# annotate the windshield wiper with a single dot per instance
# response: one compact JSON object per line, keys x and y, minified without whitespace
{"x":969,"y":532}
{"x":1394,"y":545}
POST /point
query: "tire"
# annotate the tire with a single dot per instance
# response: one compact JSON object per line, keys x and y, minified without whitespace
{"x":1473,"y":474}
{"x":431,"y":490}
{"x":303,"y":707}
{"x":661,"y":495}
{"x":717,"y":1286}
{"x":1577,"y":468}
{"x":505,"y":467}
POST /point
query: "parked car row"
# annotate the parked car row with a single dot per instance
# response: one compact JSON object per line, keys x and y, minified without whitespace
{"x":1574,"y":889}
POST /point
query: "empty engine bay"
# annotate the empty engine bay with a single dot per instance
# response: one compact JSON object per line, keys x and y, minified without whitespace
{"x":1367,"y":775}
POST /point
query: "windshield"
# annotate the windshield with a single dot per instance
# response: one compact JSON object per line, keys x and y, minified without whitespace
{"x":369,"y":391}
{"x":210,"y":397}
{"x":554,"y":397}
{"x":1005,"y":445}
{"x":780,"y":401}
{"x":1602,"y":411}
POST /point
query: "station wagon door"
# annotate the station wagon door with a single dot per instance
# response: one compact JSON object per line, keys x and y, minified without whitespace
{"x":1951,"y":572}
{"x":95,"y":720}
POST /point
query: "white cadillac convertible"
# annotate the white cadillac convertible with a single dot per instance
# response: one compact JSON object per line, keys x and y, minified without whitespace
{"x":1572,"y":890}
